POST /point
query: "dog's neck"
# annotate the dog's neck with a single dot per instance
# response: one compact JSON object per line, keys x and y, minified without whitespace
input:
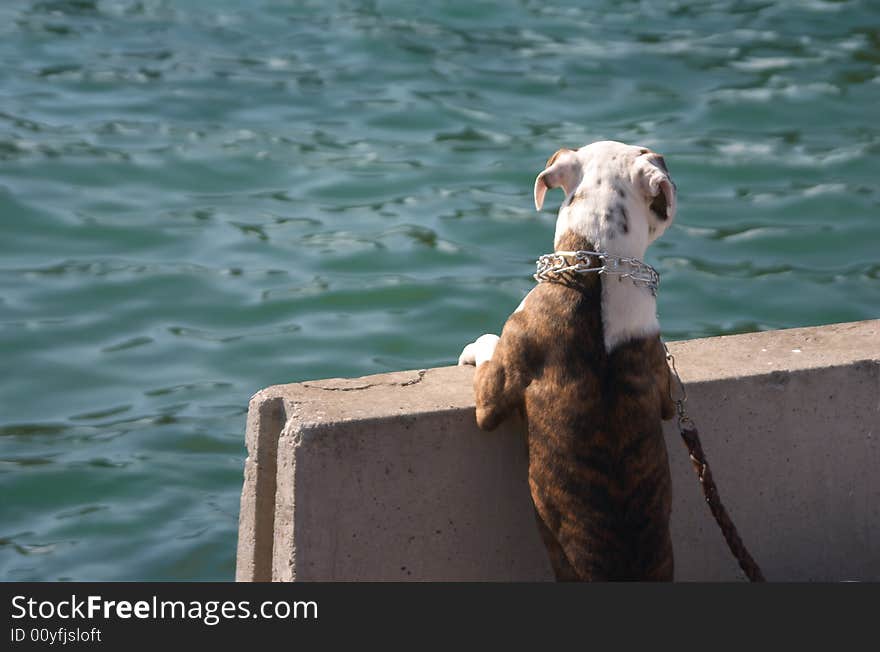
{"x":628,"y":311}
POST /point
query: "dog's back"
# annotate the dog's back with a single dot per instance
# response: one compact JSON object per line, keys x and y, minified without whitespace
{"x":583,"y":360}
{"x":598,"y":468}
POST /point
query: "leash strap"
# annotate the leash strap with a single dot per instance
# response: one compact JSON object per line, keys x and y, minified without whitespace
{"x":691,"y":438}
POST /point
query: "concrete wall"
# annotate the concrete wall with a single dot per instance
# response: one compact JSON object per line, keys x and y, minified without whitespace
{"x":387,"y":477}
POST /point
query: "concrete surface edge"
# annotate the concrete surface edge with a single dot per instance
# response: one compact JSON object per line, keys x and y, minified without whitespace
{"x":266,"y":417}
{"x":327,"y":494}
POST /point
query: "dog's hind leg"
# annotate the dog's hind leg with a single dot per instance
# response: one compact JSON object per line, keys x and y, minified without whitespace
{"x":562,"y":568}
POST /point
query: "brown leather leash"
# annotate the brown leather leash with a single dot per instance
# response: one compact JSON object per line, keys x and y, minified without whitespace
{"x":707,"y":483}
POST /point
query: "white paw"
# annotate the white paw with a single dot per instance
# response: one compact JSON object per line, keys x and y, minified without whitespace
{"x":478,"y":351}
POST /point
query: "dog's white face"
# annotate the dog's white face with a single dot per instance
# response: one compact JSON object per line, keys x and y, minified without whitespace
{"x":618,"y":196}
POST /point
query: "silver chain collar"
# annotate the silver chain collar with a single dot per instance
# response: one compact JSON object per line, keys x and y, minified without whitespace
{"x":556,"y":264}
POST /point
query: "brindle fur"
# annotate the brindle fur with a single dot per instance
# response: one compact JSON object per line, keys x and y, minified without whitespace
{"x":598,"y":469}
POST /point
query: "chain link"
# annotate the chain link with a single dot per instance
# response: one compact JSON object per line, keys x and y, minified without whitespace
{"x":549,"y":266}
{"x":684,"y":420}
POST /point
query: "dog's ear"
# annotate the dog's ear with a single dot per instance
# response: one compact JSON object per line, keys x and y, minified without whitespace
{"x":563,"y":170}
{"x":652,"y":175}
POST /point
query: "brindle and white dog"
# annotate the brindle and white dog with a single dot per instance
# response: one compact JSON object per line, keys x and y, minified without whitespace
{"x":583,"y":362}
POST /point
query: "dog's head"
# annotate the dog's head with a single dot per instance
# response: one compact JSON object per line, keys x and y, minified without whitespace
{"x":620,"y":197}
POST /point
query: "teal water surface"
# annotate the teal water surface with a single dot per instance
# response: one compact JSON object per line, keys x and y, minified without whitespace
{"x":200,"y":199}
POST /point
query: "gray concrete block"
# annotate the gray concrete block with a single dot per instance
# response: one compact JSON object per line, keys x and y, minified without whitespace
{"x":388,"y":478}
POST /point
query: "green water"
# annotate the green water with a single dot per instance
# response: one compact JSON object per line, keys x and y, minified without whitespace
{"x":200,"y":199}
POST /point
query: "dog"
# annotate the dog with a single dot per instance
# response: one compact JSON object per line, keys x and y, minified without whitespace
{"x":582,"y":360}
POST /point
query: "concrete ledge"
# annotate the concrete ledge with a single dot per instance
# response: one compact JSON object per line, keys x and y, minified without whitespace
{"x":388,"y":478}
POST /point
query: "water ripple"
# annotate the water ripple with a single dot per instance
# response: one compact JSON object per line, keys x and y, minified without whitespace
{"x":200,"y":202}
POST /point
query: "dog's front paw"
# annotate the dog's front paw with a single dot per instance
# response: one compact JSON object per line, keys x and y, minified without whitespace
{"x":478,"y":351}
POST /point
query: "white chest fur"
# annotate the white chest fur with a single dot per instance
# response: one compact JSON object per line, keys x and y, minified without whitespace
{"x":628,"y":311}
